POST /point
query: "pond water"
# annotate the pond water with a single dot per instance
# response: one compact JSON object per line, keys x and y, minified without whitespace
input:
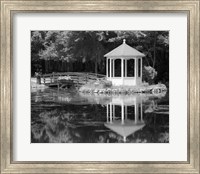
{"x":61,"y":116}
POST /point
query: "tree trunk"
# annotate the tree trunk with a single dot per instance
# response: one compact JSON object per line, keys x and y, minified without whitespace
{"x":96,"y":65}
{"x":154,"y":50}
{"x":96,"y":60}
{"x":46,"y":66}
{"x":49,"y":65}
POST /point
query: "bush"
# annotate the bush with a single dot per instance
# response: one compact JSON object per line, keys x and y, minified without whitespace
{"x":103,"y":83}
{"x":149,"y":74}
{"x":99,"y":84}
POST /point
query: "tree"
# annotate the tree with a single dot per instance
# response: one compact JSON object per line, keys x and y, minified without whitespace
{"x":56,"y":48}
{"x":87,"y":46}
{"x":37,"y":40}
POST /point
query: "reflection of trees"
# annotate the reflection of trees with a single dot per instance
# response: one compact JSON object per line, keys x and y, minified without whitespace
{"x":164,"y":137}
{"x":152,"y":106}
{"x":55,"y":125}
{"x":66,"y":124}
{"x":65,"y":127}
{"x":156,"y":130}
{"x":37,"y":130}
{"x":110,"y":137}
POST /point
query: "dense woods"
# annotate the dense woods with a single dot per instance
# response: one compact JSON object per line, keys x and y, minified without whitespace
{"x":83,"y":51}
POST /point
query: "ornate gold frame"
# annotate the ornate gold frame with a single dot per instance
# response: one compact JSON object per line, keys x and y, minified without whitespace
{"x":8,"y":8}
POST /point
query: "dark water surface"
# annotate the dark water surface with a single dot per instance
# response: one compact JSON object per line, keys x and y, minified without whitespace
{"x":69,"y":117}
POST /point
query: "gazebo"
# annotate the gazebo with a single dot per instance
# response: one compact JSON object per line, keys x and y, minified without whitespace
{"x":130,"y":65}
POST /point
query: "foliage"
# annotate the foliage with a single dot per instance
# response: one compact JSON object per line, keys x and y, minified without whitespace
{"x":87,"y":46}
{"x":56,"y":46}
{"x":149,"y":74}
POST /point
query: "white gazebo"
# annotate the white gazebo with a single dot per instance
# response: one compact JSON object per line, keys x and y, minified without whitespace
{"x":131,"y":75}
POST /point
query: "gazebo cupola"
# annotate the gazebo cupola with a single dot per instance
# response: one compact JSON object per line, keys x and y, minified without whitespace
{"x":124,"y":65}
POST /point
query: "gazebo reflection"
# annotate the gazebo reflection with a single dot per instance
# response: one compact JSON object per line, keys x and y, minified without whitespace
{"x":125,"y":115}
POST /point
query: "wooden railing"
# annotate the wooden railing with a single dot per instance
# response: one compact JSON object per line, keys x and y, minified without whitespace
{"x":76,"y":77}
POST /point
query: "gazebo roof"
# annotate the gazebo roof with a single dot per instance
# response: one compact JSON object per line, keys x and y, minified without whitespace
{"x":126,"y":129}
{"x":124,"y":51}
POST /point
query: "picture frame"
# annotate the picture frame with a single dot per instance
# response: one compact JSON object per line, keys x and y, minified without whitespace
{"x":9,"y":8}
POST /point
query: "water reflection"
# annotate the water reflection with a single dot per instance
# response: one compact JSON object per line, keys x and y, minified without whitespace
{"x":118,"y":118}
{"x":69,"y":117}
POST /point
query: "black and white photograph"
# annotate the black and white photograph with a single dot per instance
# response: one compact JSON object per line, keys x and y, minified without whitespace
{"x":99,"y":86}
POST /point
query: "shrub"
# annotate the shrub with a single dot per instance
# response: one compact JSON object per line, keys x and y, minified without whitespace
{"x":149,"y":74}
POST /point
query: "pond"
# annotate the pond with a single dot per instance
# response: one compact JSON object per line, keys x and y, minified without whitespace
{"x":66,"y":116}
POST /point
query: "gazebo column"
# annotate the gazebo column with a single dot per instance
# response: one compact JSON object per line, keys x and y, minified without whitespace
{"x":110,"y":113}
{"x":110,"y":68}
{"x":125,"y":68}
{"x":107,"y":112}
{"x":135,"y":60}
{"x":122,"y":114}
{"x":107,"y":67}
{"x":113,"y":112}
{"x":136,"y":113}
{"x":122,"y":70}
{"x":141,"y":112}
{"x":126,"y":112}
{"x":113,"y":68}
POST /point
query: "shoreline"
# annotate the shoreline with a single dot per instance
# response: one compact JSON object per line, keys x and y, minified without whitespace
{"x":127,"y":90}
{"x":99,"y":88}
